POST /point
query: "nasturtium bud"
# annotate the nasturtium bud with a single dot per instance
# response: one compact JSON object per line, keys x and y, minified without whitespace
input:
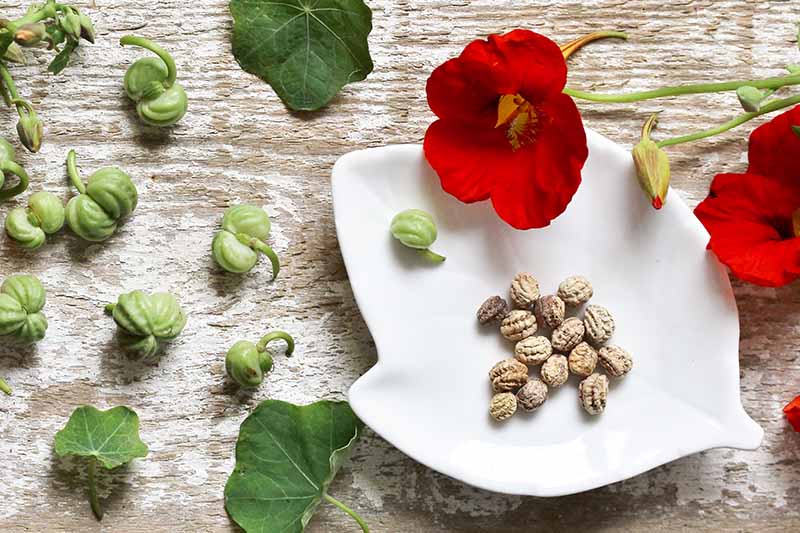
{"x":109,"y":196}
{"x":416,"y":229}
{"x":87,"y":28}
{"x":70,"y":22}
{"x":29,"y":128}
{"x":246,"y":362}
{"x":750,"y":98}
{"x":29,"y":226}
{"x":652,"y":166}
{"x":244,"y":230}
{"x":22,"y":298}
{"x":30,"y":34}
{"x":151,"y":83}
{"x":14,"y":54}
{"x":9,"y":165}
{"x":145,"y":320}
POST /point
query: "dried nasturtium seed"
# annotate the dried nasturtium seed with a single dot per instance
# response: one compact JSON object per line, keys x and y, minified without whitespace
{"x":503,"y":406}
{"x":532,"y":395}
{"x":494,"y":308}
{"x":568,"y":335}
{"x":575,"y":290}
{"x":508,"y":375}
{"x":555,"y":371}
{"x":599,"y":324}
{"x":582,"y":360}
{"x":549,"y":310}
{"x":518,"y":325}
{"x":524,"y":290}
{"x":616,"y":361}
{"x":533,"y":350}
{"x":593,"y":393}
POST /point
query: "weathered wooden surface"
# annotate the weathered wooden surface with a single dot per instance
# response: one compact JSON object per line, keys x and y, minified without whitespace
{"x":238,"y":143}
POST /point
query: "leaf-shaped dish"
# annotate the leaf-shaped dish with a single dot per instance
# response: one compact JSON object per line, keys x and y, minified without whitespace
{"x":429,"y":393}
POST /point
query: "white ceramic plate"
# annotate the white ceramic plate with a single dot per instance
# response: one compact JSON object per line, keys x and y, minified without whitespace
{"x":429,"y":393}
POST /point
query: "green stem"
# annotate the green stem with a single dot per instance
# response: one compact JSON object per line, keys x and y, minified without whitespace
{"x":269,"y":252}
{"x":48,"y":10}
{"x":109,"y":308}
{"x":93,"y":501}
{"x":431,"y":256}
{"x":737,"y":121}
{"x":8,"y":84}
{"x":72,"y":172}
{"x":346,"y":509}
{"x":14,"y":168}
{"x":276,"y":335}
{"x":678,"y":90}
{"x":4,"y":387}
{"x":147,"y":44}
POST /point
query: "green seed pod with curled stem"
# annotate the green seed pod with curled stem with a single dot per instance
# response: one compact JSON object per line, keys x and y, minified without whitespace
{"x":416,"y":229}
{"x":244,"y":230}
{"x":29,"y":226}
{"x":109,"y":196}
{"x":145,"y":320}
{"x":22,"y":298}
{"x":151,"y":83}
{"x":246,"y":363}
{"x":9,"y":165}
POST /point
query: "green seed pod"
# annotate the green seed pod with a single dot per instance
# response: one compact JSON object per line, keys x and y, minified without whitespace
{"x":109,"y":196}
{"x":416,"y":229}
{"x":9,"y":165}
{"x":145,"y":320}
{"x":151,"y":83}
{"x":246,"y":363}
{"x":44,"y":216}
{"x":22,"y":298}
{"x":244,"y":230}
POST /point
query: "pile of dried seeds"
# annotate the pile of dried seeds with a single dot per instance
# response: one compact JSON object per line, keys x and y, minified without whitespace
{"x":574,"y":346}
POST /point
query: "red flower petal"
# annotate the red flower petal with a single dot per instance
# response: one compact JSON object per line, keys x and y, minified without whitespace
{"x":749,"y":219}
{"x":539,"y":180}
{"x":467,"y":88}
{"x":775,"y":148}
{"x":792,"y":411}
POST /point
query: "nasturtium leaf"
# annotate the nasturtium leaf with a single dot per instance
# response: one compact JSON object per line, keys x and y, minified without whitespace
{"x":109,"y":438}
{"x":286,"y":457}
{"x":307,"y":50}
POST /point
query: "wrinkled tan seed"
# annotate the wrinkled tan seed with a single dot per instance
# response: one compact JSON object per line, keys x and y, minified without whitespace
{"x":533,"y":350}
{"x":524,"y":290}
{"x":505,"y":366}
{"x":503,"y":406}
{"x":494,"y":308}
{"x":593,"y":393}
{"x":549,"y":310}
{"x":532,"y":395}
{"x":518,"y":325}
{"x":575,"y":290}
{"x":568,"y":335}
{"x":510,"y":381}
{"x":582,"y":360}
{"x":616,"y":361}
{"x":599,"y":324}
{"x":555,"y":371}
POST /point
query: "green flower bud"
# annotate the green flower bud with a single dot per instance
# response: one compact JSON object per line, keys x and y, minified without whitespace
{"x":750,"y":98}
{"x":416,"y":229}
{"x":87,"y":28}
{"x":145,"y":320}
{"x":70,"y":22}
{"x":14,"y":54}
{"x":44,"y":216}
{"x":246,"y":363}
{"x":9,"y":166}
{"x":30,"y":34}
{"x":29,"y":128}
{"x":109,"y":196}
{"x":151,"y":83}
{"x":652,"y":166}
{"x":22,"y":298}
{"x":244,"y":230}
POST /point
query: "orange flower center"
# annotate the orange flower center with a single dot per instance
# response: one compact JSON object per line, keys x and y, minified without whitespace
{"x":519,"y":118}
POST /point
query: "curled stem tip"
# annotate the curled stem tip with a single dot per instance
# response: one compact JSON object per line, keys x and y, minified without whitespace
{"x":431,"y":256}
{"x":147,"y":44}
{"x":19,"y":188}
{"x":4,"y":387}
{"x":93,"y":500}
{"x":72,"y":172}
{"x":276,"y":335}
{"x":346,"y":509}
{"x":573,"y":46}
{"x":271,"y":255}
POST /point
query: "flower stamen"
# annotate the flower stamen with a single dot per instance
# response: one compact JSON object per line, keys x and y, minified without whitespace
{"x":519,"y":117}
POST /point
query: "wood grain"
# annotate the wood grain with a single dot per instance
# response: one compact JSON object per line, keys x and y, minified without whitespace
{"x":238,"y":143}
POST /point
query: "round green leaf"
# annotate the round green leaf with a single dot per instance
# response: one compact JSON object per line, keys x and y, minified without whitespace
{"x":307,"y":51}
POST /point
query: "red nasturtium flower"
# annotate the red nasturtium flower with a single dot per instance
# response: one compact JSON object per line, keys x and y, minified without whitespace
{"x":505,"y":130}
{"x":792,"y":412}
{"x":754,"y":218}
